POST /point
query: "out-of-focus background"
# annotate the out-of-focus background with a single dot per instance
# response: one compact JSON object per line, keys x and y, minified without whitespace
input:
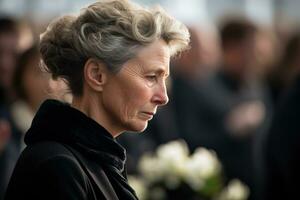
{"x":234,"y":92}
{"x":266,"y":12}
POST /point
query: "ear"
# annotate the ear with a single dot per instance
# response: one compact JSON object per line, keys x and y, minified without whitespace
{"x":95,"y":74}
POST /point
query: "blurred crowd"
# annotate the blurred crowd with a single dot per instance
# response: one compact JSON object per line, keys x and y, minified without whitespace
{"x":23,"y":87}
{"x":235,"y":91}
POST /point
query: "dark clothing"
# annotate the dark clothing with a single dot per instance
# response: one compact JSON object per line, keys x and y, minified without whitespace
{"x":283,"y":149}
{"x":8,"y":159}
{"x":52,"y":172}
{"x":241,"y":156}
{"x":10,"y":154}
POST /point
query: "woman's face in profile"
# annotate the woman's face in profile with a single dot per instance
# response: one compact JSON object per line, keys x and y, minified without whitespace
{"x":131,"y":97}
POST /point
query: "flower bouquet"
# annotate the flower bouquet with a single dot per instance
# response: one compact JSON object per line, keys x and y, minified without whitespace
{"x":172,"y":173}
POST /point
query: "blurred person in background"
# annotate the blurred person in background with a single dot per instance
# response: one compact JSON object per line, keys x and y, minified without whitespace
{"x":32,"y":88}
{"x":282,"y":144}
{"x":282,"y":148}
{"x":268,"y":51}
{"x":9,"y":38}
{"x":233,"y":106}
{"x":203,"y":56}
{"x":287,"y":69}
{"x":189,"y":72}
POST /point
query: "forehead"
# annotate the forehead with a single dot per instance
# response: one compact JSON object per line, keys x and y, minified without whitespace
{"x":154,"y":58}
{"x":158,"y":47}
{"x":156,"y":54}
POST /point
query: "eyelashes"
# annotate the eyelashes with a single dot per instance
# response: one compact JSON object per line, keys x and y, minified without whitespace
{"x":152,"y":78}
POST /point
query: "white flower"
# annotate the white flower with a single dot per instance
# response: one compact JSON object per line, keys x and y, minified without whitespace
{"x":235,"y":190}
{"x":206,"y":162}
{"x":173,"y":157}
{"x":202,"y":165}
{"x":171,"y":165}
{"x":176,"y":151}
{"x":151,"y":168}
{"x":139,"y":186}
{"x":166,"y":165}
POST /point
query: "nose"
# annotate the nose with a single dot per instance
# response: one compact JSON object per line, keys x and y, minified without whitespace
{"x":160,"y":97}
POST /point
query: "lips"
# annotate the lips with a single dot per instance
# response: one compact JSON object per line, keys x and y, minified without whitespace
{"x":148,"y":115}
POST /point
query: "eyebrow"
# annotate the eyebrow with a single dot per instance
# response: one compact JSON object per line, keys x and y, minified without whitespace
{"x":161,"y":71}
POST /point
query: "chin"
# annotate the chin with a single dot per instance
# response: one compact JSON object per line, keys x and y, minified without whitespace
{"x":138,"y":127}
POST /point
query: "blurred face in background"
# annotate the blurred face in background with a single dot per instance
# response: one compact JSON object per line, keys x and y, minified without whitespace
{"x":8,"y":58}
{"x":202,"y":57}
{"x":240,"y":57}
{"x":35,"y":83}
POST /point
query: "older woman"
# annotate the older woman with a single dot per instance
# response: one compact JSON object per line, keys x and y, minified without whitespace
{"x":115,"y":58}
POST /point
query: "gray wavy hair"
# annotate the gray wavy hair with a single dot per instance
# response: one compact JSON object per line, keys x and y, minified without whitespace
{"x":109,"y":30}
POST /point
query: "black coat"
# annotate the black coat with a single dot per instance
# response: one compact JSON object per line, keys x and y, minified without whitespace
{"x":283,"y":149}
{"x":69,"y":156}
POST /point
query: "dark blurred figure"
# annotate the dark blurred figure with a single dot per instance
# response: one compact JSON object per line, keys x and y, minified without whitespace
{"x":283,"y":148}
{"x":234,"y":107}
{"x":9,"y":141}
{"x":9,"y":37}
{"x":287,"y":69}
{"x":190,"y":73}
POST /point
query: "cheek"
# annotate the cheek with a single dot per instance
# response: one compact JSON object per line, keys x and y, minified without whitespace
{"x":136,"y":98}
{"x":28,"y":82}
{"x":36,"y":84}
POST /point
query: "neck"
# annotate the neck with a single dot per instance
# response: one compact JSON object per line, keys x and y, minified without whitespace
{"x":91,"y":106}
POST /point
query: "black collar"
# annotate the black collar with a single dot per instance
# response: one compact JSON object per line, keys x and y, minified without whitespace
{"x":60,"y":122}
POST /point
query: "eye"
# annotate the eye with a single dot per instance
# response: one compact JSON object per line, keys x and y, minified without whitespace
{"x":151,"y":77}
